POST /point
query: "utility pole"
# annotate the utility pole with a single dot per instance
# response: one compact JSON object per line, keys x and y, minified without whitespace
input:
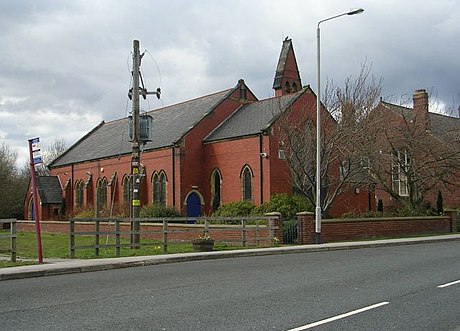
{"x":138,"y":137}
{"x":135,"y":156}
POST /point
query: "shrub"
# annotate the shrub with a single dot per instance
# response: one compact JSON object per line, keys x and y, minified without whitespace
{"x":85,"y":213}
{"x":234,"y":209}
{"x":157,"y":211}
{"x":287,"y":205}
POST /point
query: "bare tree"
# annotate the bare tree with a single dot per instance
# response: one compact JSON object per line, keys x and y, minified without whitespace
{"x":57,"y":147}
{"x":343,"y":134}
{"x":409,"y":161}
{"x":13,"y":184}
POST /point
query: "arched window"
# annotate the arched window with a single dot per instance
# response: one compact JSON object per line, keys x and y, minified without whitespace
{"x":246,"y":183}
{"x":287,"y":87}
{"x":162,"y":180}
{"x":101,"y":194}
{"x":78,"y":194}
{"x":294,"y":87}
{"x":216,"y":181}
{"x":156,"y":188}
{"x":159,"y":188}
{"x":127,"y":189}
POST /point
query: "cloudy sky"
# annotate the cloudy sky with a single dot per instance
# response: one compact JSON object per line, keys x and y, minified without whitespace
{"x":64,"y":65}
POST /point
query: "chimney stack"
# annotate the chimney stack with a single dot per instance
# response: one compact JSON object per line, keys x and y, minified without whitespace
{"x":421,"y":109}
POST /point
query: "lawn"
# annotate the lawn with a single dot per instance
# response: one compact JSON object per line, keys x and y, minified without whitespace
{"x":56,"y":246}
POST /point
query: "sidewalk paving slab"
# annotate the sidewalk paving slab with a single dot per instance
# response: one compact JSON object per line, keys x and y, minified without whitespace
{"x":66,"y":266}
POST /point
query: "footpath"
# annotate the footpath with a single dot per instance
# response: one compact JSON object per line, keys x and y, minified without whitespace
{"x":52,"y":267}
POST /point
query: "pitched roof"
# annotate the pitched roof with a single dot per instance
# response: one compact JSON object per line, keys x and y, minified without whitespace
{"x":253,"y":118}
{"x":444,"y":127}
{"x":170,"y":124}
{"x":283,"y":63}
{"x":49,"y":189}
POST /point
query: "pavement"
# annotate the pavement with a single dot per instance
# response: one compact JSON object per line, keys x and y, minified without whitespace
{"x":52,"y":267}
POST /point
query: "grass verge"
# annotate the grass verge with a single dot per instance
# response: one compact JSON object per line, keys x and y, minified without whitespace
{"x":56,"y":246}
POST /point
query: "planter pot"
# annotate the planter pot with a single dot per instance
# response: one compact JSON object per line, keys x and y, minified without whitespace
{"x":203,"y":245}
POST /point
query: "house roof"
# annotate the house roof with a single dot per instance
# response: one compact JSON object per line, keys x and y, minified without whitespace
{"x":444,"y":127}
{"x":170,"y":124}
{"x":49,"y":189}
{"x":253,"y":118}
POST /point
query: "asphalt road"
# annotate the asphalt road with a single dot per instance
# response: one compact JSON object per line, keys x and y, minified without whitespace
{"x":388,"y":288}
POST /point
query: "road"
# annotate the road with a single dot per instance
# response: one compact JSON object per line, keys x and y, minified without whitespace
{"x":389,"y":288}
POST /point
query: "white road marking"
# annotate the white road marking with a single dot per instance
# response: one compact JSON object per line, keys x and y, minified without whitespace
{"x":334,"y":318}
{"x":449,"y":284}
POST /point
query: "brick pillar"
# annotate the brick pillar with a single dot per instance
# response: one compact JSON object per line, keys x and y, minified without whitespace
{"x":306,"y":228}
{"x":453,"y":220}
{"x":277,"y":223}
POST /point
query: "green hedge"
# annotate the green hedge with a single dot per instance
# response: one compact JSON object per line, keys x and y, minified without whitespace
{"x":234,"y":209}
{"x":157,"y":210}
{"x":287,"y":205}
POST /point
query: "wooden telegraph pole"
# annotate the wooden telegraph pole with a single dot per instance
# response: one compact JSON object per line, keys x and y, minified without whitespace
{"x":138,"y":137}
{"x":135,"y":156}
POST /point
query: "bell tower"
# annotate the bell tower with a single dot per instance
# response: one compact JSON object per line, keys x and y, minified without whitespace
{"x":287,"y":76}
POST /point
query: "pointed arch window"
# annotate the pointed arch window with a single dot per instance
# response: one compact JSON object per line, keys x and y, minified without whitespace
{"x":101,"y":194}
{"x":79,"y":194}
{"x":246,"y":183}
{"x":127,"y":184}
{"x":159,"y":188}
{"x":216,"y":183}
{"x":287,"y":87}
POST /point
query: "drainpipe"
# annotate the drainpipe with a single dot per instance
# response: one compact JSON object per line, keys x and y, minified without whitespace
{"x":261,"y":167}
{"x":71,"y":189}
{"x":173,"y":170}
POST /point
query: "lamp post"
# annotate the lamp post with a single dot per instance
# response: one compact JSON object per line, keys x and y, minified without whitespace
{"x":318,"y":125}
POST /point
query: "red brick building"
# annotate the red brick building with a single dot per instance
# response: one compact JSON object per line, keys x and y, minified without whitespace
{"x":420,"y":153}
{"x":205,"y":152}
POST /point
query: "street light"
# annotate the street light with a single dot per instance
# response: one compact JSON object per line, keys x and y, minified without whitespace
{"x":318,"y":126}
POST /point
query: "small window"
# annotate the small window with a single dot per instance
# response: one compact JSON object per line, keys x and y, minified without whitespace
{"x":281,"y":154}
{"x":246,"y":183}
{"x":287,"y":87}
{"x":79,"y":194}
{"x":101,"y":194}
{"x":127,"y":189}
{"x":344,"y":169}
{"x":399,"y":170}
{"x":216,"y":180}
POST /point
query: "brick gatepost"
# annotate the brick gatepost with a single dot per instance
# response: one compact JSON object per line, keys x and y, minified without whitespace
{"x":453,"y":220}
{"x":306,"y":227}
{"x":277,"y":222}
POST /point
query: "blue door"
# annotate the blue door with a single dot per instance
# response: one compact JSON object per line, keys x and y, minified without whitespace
{"x":193,"y":205}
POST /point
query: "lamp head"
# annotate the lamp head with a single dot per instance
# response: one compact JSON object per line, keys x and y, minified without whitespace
{"x":355,"y":11}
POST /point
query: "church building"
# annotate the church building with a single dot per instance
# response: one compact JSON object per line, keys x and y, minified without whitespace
{"x":206,"y":152}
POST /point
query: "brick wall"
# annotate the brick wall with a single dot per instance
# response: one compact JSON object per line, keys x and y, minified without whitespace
{"x":364,"y":228}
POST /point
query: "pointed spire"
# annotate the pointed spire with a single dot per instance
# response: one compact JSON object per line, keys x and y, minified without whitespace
{"x":287,"y":76}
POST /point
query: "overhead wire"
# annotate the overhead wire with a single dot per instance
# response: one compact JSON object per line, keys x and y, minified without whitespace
{"x":128,"y":113}
{"x":120,"y":150}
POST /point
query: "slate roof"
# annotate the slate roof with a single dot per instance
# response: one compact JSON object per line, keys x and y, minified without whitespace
{"x":254,"y":117}
{"x":49,"y":189}
{"x":170,"y":124}
{"x":444,"y":127}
